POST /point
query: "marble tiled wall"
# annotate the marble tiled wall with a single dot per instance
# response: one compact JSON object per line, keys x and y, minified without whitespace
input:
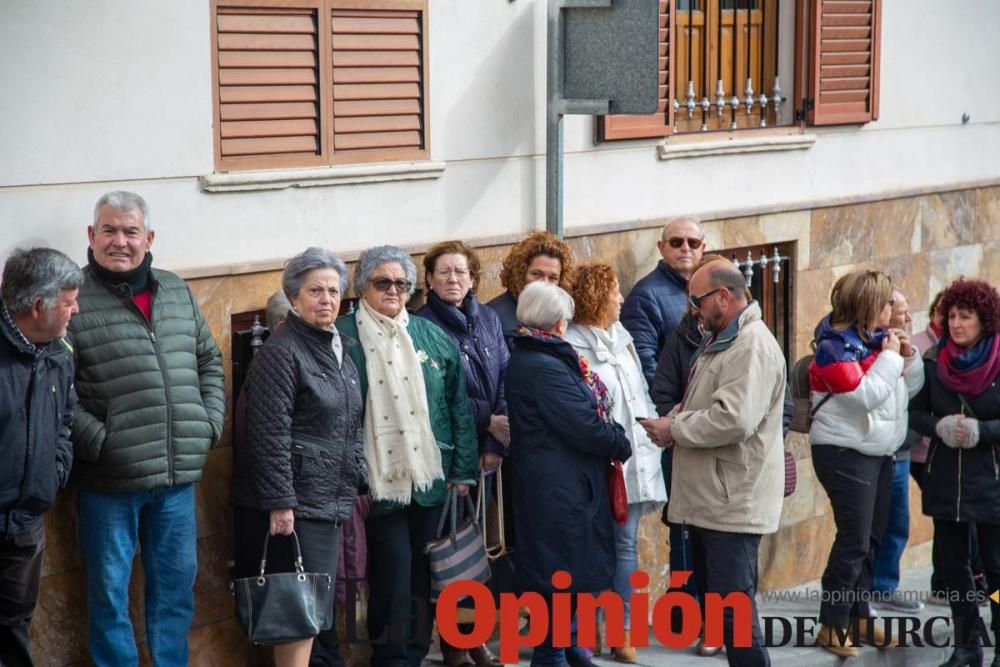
{"x":924,"y":242}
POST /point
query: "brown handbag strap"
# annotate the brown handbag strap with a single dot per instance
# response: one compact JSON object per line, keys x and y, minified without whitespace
{"x":493,"y":551}
{"x":822,"y":401}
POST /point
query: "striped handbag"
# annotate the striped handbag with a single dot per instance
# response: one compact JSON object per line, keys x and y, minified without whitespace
{"x":459,"y":555}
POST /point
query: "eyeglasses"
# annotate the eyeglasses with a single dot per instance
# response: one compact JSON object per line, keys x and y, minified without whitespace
{"x":383,"y":284}
{"x":447,"y":273}
{"x":695,"y":301}
{"x":678,"y":241}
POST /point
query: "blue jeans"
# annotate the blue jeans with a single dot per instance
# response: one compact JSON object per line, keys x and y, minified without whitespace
{"x":885,"y":565}
{"x":626,"y":556}
{"x":162,"y":521}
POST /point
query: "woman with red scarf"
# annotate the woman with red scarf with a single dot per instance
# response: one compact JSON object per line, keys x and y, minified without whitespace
{"x":959,"y":409}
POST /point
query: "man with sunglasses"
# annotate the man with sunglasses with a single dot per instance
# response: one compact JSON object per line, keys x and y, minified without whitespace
{"x":726,"y":434}
{"x":657,"y":303}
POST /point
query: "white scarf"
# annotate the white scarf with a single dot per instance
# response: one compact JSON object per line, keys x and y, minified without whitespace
{"x":400,"y":447}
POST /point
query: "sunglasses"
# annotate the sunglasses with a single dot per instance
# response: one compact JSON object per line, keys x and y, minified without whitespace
{"x":695,"y":301}
{"x":383,"y":284}
{"x":678,"y":241}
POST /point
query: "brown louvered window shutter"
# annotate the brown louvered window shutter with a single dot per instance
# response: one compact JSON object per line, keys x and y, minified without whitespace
{"x":661,"y":123}
{"x":268,"y":89}
{"x":844,"y":72}
{"x":379,"y":80}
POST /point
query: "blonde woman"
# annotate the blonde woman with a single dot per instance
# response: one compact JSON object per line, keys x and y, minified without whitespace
{"x":861,"y":380}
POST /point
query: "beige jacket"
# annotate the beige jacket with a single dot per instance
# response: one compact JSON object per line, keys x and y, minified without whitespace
{"x":728,"y":472}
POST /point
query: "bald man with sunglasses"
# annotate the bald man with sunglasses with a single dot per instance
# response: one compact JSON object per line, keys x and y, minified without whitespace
{"x":658,"y":301}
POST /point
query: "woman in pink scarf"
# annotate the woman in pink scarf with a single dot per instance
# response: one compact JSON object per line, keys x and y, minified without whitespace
{"x":959,"y":410}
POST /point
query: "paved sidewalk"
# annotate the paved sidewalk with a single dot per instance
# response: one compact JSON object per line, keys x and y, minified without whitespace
{"x":802,"y":601}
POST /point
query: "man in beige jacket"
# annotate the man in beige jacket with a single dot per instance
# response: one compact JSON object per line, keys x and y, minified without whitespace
{"x":727,"y":439}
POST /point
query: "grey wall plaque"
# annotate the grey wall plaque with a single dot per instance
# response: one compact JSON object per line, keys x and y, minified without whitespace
{"x":612,"y":52}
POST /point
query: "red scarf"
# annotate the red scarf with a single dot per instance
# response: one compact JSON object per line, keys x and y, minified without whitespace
{"x":968,"y":371}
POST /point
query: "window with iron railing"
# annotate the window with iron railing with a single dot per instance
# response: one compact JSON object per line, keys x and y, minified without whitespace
{"x":750,"y":64}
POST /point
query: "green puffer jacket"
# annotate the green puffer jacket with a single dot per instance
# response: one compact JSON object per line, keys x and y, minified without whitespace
{"x":447,"y":402}
{"x":151,"y":395}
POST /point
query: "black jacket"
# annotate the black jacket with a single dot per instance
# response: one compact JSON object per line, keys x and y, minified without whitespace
{"x":304,"y":442}
{"x":505,"y":306}
{"x":36,"y":414}
{"x":560,"y":450}
{"x":674,"y":365}
{"x":959,"y":484}
{"x":478,"y":334}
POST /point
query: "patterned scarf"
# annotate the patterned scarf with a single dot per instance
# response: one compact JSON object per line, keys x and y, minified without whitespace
{"x":605,"y":404}
{"x":968,"y":372}
{"x":400,"y":447}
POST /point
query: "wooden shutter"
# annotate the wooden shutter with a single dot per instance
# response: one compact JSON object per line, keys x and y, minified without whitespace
{"x":379,"y":80}
{"x":267,"y":84}
{"x":661,"y":123}
{"x":844,"y":71}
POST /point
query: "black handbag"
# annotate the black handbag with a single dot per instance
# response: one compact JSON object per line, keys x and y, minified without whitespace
{"x":460,"y":555}
{"x":283,"y":607}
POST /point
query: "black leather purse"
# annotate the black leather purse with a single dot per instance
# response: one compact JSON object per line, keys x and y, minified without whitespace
{"x":284,"y":607}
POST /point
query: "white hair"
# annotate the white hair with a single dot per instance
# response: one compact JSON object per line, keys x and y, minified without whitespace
{"x":123,"y":200}
{"x":542,"y":305}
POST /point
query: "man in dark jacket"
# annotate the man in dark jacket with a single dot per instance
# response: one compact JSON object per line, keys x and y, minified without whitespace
{"x":37,"y":300}
{"x":656,"y":304}
{"x":149,"y":376}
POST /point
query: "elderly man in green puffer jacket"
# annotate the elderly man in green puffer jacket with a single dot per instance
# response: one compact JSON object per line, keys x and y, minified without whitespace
{"x":149,"y":378}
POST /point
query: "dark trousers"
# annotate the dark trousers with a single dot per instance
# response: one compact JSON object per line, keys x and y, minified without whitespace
{"x":727,"y":563}
{"x":918,"y":472}
{"x":859,"y":488}
{"x":20,"y":572}
{"x":400,"y":614}
{"x":956,"y":570}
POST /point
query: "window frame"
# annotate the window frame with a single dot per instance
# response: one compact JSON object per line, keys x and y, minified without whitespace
{"x":806,"y":110}
{"x":327,"y":156}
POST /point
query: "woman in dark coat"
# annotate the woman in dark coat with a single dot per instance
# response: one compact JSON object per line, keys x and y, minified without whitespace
{"x":959,"y":409}
{"x":301,"y":462}
{"x":451,"y":272}
{"x":563,"y":439}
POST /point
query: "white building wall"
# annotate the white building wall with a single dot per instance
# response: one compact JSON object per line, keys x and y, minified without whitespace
{"x":109,"y":94}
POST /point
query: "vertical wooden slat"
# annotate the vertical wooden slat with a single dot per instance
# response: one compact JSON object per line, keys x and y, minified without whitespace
{"x":838,"y":95}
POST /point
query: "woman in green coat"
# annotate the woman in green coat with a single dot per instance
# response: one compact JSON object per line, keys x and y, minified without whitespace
{"x":419,"y":440}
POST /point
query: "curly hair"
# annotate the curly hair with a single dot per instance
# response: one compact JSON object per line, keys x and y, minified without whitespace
{"x":592,"y":283}
{"x":975,"y":295}
{"x":452,"y":248}
{"x":516,"y":264}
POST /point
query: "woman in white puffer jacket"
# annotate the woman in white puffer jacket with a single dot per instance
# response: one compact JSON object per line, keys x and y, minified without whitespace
{"x":861,"y":381}
{"x":600,"y":339}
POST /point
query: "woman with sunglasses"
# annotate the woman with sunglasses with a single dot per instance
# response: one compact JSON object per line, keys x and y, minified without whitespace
{"x":419,"y":440}
{"x":861,"y":381}
{"x":451,"y":273}
{"x":959,"y":410}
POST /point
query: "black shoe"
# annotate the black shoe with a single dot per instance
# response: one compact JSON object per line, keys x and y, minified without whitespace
{"x":577,"y":658}
{"x":966,"y":656}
